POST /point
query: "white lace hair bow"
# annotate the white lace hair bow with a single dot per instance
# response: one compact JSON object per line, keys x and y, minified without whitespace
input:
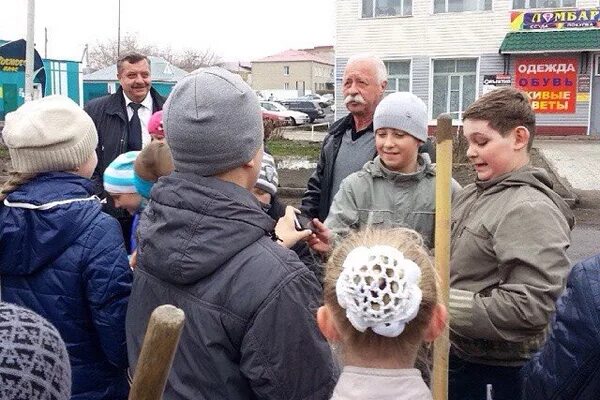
{"x":379,"y":289}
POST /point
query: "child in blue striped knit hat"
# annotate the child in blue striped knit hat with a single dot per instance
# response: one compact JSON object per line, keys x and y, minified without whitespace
{"x":119,"y":184}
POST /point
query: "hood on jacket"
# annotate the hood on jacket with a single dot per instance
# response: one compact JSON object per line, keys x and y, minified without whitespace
{"x":376,"y":169}
{"x":193,"y":225}
{"x":31,"y":239}
{"x":529,"y":176}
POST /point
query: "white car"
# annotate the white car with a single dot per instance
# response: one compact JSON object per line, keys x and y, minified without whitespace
{"x":295,"y":117}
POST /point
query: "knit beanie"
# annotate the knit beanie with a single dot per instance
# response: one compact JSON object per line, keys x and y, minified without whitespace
{"x":155,"y":125}
{"x":49,"y":134}
{"x":34,"y":363}
{"x":268,"y":180}
{"x":118,"y":176}
{"x":214,"y":122}
{"x":403,"y":111}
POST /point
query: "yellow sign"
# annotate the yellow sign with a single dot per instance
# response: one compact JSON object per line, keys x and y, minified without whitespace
{"x":583,"y":97}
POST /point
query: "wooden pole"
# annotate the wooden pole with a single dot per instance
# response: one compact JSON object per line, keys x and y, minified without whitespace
{"x":443,"y":195}
{"x":156,"y":356}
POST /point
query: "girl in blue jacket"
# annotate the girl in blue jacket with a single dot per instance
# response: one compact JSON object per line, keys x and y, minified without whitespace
{"x":60,"y":256}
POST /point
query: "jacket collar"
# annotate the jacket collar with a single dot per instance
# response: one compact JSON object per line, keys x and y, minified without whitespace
{"x":377,"y":169}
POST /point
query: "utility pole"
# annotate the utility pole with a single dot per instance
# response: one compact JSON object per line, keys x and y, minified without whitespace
{"x":29,"y":50}
{"x":45,"y":42}
{"x":119,"y":32}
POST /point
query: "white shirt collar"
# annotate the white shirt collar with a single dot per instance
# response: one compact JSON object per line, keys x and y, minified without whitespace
{"x":147,"y":102}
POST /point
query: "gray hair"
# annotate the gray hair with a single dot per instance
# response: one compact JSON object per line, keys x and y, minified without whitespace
{"x":375,"y":61}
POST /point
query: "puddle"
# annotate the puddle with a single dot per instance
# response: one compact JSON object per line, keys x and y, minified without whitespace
{"x":295,"y":163}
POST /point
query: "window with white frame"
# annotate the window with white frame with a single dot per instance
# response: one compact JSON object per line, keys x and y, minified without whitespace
{"x":398,"y":76}
{"x":286,"y":86}
{"x":444,"y":6}
{"x":60,"y":84}
{"x":286,"y":70}
{"x":454,"y":86}
{"x":386,"y":8}
{"x":518,"y":4}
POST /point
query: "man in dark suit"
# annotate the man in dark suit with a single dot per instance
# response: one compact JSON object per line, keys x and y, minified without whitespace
{"x":122,"y":121}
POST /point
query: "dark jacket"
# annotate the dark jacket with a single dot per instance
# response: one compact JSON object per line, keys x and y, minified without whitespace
{"x":69,"y":265}
{"x":568,"y":365}
{"x":249,"y":303}
{"x":110,"y":117}
{"x":276,"y":211}
{"x":318,"y":196}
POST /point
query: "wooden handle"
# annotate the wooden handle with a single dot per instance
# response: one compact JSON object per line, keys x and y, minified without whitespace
{"x":443,"y":195}
{"x":158,"y":350}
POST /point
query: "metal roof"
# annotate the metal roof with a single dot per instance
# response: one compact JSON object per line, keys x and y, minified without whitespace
{"x":161,"y":71}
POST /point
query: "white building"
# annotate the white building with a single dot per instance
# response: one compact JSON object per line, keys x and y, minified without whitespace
{"x":449,"y":51}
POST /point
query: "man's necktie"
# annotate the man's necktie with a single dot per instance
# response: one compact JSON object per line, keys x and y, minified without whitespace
{"x":134,"y":141}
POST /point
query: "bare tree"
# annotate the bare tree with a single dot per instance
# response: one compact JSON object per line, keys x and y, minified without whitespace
{"x":191,"y":59}
{"x":104,"y":53}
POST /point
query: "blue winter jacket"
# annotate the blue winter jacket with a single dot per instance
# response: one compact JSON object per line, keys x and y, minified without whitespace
{"x":68,"y":263}
{"x":568,"y":366}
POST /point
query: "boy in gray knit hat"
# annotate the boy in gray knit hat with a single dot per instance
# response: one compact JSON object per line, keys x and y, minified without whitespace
{"x":397,"y":188}
{"x":206,"y":246}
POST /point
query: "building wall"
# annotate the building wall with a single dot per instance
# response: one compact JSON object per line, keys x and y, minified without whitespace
{"x":270,"y":75}
{"x":425,"y":36}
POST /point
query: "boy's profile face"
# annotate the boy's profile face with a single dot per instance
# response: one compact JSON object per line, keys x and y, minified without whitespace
{"x":397,"y":149}
{"x":491,"y":153}
{"x":127,"y":201}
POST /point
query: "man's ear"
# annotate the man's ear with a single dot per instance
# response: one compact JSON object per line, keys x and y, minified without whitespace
{"x":521,"y":136}
{"x":383,"y":86}
{"x":437,"y":324}
{"x":326,"y":324}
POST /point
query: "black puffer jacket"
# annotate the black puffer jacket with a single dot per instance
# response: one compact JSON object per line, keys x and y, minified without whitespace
{"x":110,"y":117}
{"x":250,"y":304}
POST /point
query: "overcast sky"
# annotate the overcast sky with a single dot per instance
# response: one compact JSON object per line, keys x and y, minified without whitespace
{"x":235,"y":29}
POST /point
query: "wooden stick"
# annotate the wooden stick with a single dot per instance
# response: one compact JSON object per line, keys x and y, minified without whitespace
{"x":156,"y":356}
{"x":443,"y":177}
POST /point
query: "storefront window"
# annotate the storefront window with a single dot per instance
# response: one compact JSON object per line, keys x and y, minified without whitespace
{"x":518,"y":4}
{"x":444,"y":6}
{"x":398,"y":76}
{"x":454,"y":86}
{"x":386,"y":8}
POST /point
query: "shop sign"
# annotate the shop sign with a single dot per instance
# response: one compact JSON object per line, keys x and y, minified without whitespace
{"x":555,"y":19}
{"x":491,"y":82}
{"x":584,"y":83}
{"x":12,"y":59}
{"x":550,"y":82}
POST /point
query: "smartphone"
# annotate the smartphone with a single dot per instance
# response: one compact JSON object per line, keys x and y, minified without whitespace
{"x":302,"y":222}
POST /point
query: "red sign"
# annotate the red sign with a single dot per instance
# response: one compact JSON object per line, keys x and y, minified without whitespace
{"x":551,"y":83}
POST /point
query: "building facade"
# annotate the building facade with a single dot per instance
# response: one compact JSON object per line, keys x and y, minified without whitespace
{"x":297,"y":70}
{"x":450,"y":52}
{"x":56,"y":77}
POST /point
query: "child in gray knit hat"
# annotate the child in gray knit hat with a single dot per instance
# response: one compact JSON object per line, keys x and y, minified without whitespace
{"x":397,"y":188}
{"x":206,"y":246}
{"x":34,"y":363}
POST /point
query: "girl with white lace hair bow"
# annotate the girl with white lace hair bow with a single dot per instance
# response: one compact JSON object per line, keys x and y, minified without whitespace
{"x":381,"y":305}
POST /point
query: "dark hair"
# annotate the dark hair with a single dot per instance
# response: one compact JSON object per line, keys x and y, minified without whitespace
{"x":504,"y":109}
{"x":131,"y":58}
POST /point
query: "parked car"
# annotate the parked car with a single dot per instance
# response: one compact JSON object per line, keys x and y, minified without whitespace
{"x":309,"y":107}
{"x":323,"y":103}
{"x":295,"y":117}
{"x":328,"y":97}
{"x":271,"y":116}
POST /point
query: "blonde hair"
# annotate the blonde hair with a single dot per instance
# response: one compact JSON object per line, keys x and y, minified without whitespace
{"x":154,"y":161}
{"x":369,"y":343}
{"x":15,"y":180}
